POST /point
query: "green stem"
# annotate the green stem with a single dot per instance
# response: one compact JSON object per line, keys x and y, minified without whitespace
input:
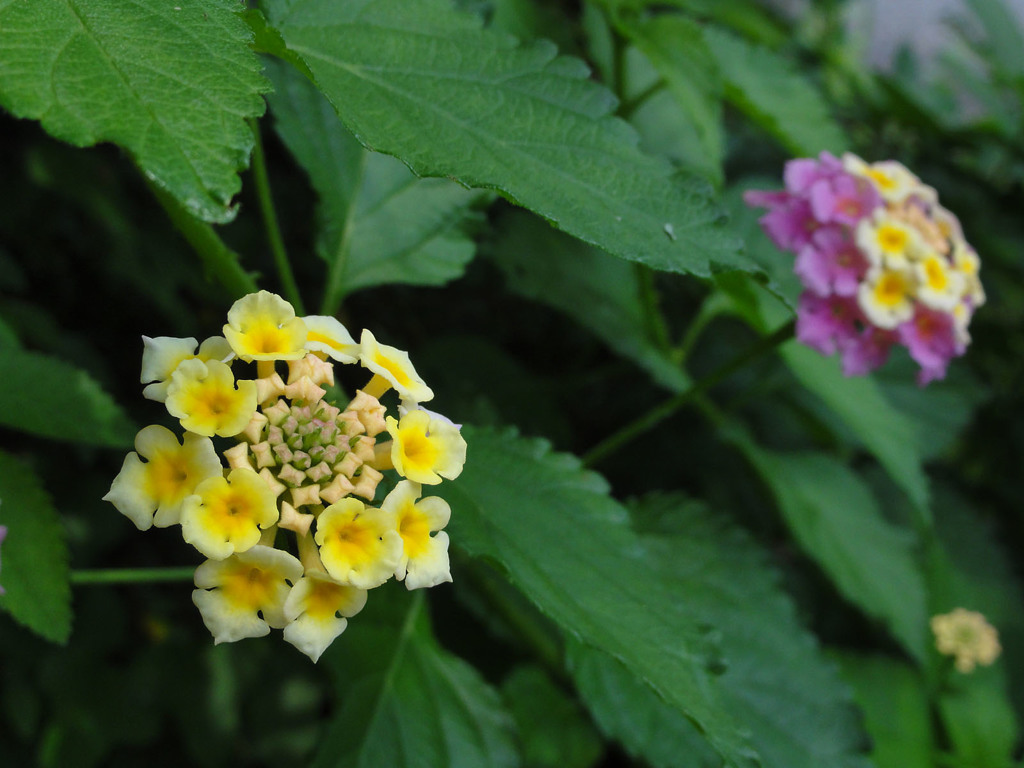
{"x":131,"y":575}
{"x":221,"y":262}
{"x":629,"y":106}
{"x":651,"y":304}
{"x":707,"y":313}
{"x":262,"y":180}
{"x":663,"y":410}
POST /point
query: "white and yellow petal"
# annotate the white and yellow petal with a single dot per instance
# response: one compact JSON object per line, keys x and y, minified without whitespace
{"x":894,"y":182}
{"x":392,"y":368}
{"x":887,"y":296}
{"x":359,"y":545}
{"x":317,"y":609}
{"x":961,"y":321}
{"x":225,"y":515}
{"x":215,"y":348}
{"x":967,"y":263}
{"x":152,"y":492}
{"x":425,"y":449}
{"x":160,"y":356}
{"x":939,"y":285}
{"x":424,"y":561}
{"x":205,"y":398}
{"x":244,"y":595}
{"x":887,"y":241}
{"x":328,"y":336}
{"x":263,"y":326}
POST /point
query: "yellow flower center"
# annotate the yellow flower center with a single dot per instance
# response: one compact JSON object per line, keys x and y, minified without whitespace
{"x":249,"y":587}
{"x":935,"y":275}
{"x":267,"y":339}
{"x":166,"y":476}
{"x":211,"y":403}
{"x":882,"y":179}
{"x":414,"y":529}
{"x":892,"y":239}
{"x":352,"y":543}
{"x":231,"y":511}
{"x":323,"y":599}
{"x":419,"y":450}
{"x":891,"y":289}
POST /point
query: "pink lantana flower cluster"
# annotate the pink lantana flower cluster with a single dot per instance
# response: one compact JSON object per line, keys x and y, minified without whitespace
{"x":881,"y":261}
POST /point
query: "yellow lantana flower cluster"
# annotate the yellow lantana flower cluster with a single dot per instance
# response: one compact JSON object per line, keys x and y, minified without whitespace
{"x":967,"y":637}
{"x":298,"y":463}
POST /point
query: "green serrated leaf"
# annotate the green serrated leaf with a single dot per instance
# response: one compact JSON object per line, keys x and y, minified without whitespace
{"x":769,"y":90}
{"x":554,"y":731}
{"x":894,"y":700}
{"x":424,"y":83}
{"x":33,"y":556}
{"x":404,"y":701}
{"x":675,"y":46}
{"x":568,"y":546}
{"x":172,"y":84}
{"x":379,"y":222}
{"x":539,"y":262}
{"x":627,"y":710}
{"x":50,"y":398}
{"x":837,"y":522}
{"x":769,"y":658}
{"x":860,"y":404}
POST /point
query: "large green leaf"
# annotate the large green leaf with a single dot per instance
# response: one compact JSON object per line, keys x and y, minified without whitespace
{"x":894,"y":699}
{"x":861,"y":406}
{"x":379,"y":223}
{"x":33,"y":556}
{"x":768,"y":88}
{"x":838,"y":523}
{"x":627,"y":710}
{"x":51,"y":398}
{"x":405,"y":701}
{"x":423,"y":82}
{"x":675,"y":47}
{"x":569,"y":547}
{"x":776,"y":683}
{"x":607,"y":296}
{"x":554,"y":730}
{"x":171,"y":83}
